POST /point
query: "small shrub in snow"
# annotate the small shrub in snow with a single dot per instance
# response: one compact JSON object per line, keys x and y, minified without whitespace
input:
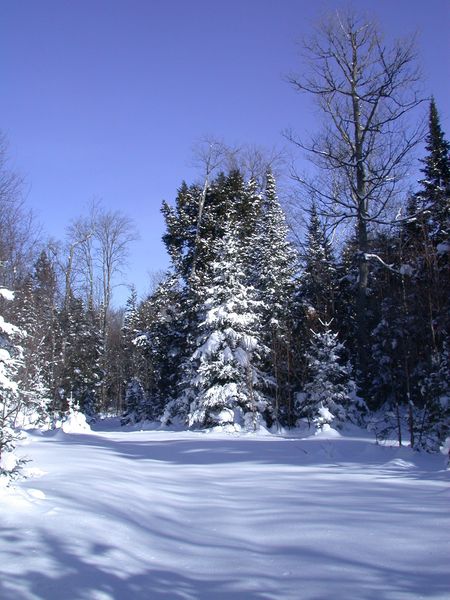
{"x":75,"y":421}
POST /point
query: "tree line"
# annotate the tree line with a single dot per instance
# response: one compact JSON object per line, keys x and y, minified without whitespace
{"x":247,"y":327}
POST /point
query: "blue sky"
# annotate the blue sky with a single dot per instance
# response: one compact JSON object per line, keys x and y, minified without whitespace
{"x":105,"y":98}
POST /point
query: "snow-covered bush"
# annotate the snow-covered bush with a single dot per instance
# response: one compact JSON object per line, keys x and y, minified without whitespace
{"x":74,"y":420}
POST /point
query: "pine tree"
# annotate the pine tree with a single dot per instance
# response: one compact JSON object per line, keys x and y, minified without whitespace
{"x":158,"y":350}
{"x":254,"y":227}
{"x":418,"y":296}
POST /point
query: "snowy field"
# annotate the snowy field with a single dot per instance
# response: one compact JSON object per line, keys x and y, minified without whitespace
{"x":144,"y":515}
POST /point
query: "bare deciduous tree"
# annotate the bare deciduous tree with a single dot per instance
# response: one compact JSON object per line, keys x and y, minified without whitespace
{"x":114,"y":232}
{"x":365,"y":90}
{"x":18,"y":230}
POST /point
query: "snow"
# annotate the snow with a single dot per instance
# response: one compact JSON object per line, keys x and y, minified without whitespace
{"x":443,"y":248}
{"x":7,"y":328}
{"x":8,"y":461}
{"x":75,"y":423}
{"x":6,"y":294}
{"x":121,"y":514}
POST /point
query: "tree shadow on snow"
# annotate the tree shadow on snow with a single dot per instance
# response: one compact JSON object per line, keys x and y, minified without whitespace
{"x":73,"y":576}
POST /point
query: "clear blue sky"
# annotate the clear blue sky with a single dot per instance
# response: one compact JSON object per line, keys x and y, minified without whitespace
{"x":105,"y":98}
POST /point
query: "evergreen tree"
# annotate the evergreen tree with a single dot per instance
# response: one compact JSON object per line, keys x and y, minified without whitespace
{"x":432,"y":422}
{"x":277,"y":266}
{"x":329,"y":395}
{"x":160,"y":347}
{"x":319,"y":280}
{"x":35,"y":392}
{"x":82,"y":374}
{"x":168,"y":341}
{"x":223,"y":384}
{"x":47,"y":341}
{"x":255,"y":228}
{"x":135,"y":400}
{"x":130,"y":331}
{"x":10,"y":400}
{"x":435,"y":193}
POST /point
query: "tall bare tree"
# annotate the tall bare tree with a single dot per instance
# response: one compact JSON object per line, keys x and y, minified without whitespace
{"x":18,"y":230}
{"x":113,"y":232}
{"x":365,"y":91}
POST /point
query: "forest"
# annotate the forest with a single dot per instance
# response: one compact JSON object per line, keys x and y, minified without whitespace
{"x":260,"y":322}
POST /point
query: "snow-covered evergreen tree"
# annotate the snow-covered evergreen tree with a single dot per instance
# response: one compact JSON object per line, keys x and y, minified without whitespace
{"x":276,"y":266}
{"x":10,"y":399}
{"x":130,"y":331}
{"x":432,"y":421}
{"x":35,"y":392}
{"x":329,"y":396}
{"x":161,"y":348}
{"x":223,"y":384}
{"x":43,"y":347}
{"x":81,"y":374}
{"x":135,"y":401}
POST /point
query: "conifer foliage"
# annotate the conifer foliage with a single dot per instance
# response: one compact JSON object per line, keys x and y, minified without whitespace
{"x":235,"y":270}
{"x":226,"y":384}
{"x":329,"y":396}
{"x":10,"y":398}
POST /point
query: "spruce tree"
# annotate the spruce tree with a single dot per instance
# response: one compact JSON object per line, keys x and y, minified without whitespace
{"x":435,"y":193}
{"x":130,"y":331}
{"x":329,"y":396}
{"x":35,"y":392}
{"x":277,"y":266}
{"x":47,"y":335}
{"x":134,"y":403}
{"x":432,"y":422}
{"x":225,"y":385}
{"x":161,"y":348}
{"x":81,"y":375}
{"x":319,"y":279}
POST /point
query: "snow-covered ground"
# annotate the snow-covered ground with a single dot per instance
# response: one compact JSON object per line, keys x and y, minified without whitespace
{"x":144,"y":515}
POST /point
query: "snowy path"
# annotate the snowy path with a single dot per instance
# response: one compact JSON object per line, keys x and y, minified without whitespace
{"x":148,"y":515}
